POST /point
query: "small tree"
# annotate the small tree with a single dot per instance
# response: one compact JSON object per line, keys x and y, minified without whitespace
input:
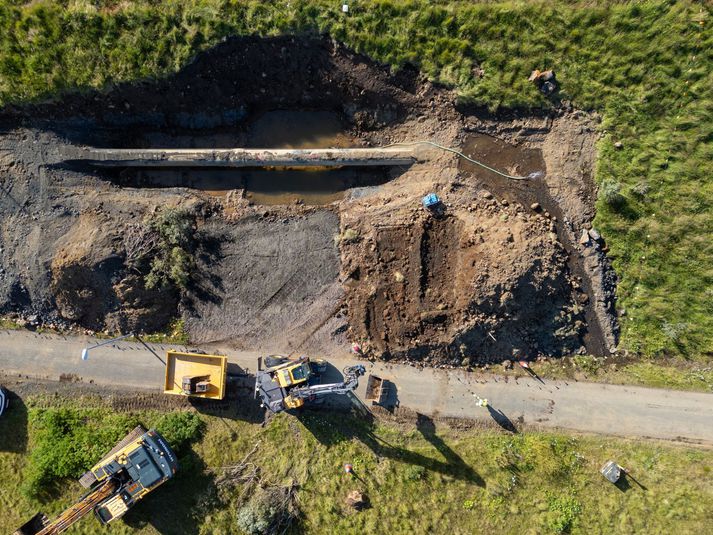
{"x":610,"y":191}
{"x":173,"y":261}
{"x":267,"y":511}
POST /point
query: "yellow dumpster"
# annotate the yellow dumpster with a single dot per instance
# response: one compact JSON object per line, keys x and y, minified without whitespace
{"x":196,"y":375}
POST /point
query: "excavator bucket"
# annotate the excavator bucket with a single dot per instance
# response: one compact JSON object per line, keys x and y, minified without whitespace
{"x":36,"y":524}
{"x":376,"y":389}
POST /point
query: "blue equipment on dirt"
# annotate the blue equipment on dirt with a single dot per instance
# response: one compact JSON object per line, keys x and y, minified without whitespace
{"x":431,"y":202}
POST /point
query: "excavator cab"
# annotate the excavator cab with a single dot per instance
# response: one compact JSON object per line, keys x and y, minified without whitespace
{"x":293,"y":374}
{"x":287,"y":372}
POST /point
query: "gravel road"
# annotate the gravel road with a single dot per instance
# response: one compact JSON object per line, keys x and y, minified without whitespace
{"x":585,"y":407}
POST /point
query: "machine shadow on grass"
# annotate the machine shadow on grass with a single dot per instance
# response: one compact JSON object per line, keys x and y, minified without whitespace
{"x":171,"y":509}
{"x":13,"y":426}
{"x":625,"y":480}
{"x":334,"y":427}
{"x":239,"y":402}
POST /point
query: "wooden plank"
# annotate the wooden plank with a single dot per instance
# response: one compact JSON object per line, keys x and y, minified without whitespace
{"x":239,"y":157}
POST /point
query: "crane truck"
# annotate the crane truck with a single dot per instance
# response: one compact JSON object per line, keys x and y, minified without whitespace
{"x":285,"y":384}
{"x":138,"y":464}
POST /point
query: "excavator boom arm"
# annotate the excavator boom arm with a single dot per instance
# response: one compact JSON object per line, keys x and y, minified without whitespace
{"x":351,"y":381}
{"x":74,"y":513}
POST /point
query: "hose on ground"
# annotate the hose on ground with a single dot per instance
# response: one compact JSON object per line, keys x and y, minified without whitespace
{"x":531,"y":176}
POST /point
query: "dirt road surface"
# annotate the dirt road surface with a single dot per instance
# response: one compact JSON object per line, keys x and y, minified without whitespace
{"x":586,"y":407}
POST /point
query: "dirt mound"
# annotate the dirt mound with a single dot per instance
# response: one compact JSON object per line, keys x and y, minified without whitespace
{"x":91,"y":286}
{"x":82,"y":269}
{"x":487,"y":278}
{"x":467,"y":287}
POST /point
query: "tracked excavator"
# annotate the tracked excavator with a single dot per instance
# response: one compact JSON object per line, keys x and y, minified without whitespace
{"x":283,"y":384}
{"x":138,"y":464}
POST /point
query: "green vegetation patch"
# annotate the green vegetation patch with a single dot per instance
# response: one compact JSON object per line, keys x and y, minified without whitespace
{"x":419,"y":477}
{"x":162,"y":247}
{"x":180,"y":429}
{"x":646,"y":67}
{"x":67,"y":443}
{"x":175,"y":333}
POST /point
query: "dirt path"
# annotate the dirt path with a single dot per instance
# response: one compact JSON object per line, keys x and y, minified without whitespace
{"x":585,"y":407}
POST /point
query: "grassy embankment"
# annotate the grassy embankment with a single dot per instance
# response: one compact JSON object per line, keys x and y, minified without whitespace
{"x":671,"y":373}
{"x":644,"y":66}
{"x":419,"y":478}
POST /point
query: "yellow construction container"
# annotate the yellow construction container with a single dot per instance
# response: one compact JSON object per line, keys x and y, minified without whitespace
{"x":196,"y":375}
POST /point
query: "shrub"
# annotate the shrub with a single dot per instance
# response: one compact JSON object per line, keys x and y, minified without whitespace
{"x":587,"y":363}
{"x":610,"y":192}
{"x":415,"y":472}
{"x":173,"y":258}
{"x":67,"y":442}
{"x":175,"y":226}
{"x":266,"y":510}
{"x":349,"y":235}
{"x":640,"y":189}
{"x":180,"y":428}
{"x":566,"y":509}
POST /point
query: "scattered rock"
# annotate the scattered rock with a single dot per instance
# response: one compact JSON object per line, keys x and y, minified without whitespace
{"x":544,"y":80}
{"x":507,"y":364}
{"x":595,"y":235}
{"x":618,"y":145}
{"x":357,"y":500}
{"x":584,"y":238}
{"x":535,"y":206}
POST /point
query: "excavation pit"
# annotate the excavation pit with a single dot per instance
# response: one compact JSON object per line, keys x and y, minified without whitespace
{"x":308,"y":260}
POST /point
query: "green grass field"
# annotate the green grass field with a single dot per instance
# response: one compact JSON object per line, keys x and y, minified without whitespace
{"x":645,"y":66}
{"x":419,"y":478}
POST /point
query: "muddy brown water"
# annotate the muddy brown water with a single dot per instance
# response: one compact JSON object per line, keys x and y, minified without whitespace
{"x":274,"y":186}
{"x":517,"y":160}
{"x":298,"y":130}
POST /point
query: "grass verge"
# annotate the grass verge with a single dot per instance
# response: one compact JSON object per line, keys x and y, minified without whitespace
{"x":9,"y":324}
{"x":676,"y":374}
{"x":427,"y":477}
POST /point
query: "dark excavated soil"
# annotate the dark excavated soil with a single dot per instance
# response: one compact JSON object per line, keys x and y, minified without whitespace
{"x":487,"y":278}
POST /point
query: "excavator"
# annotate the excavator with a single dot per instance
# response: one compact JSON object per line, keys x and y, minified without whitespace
{"x":138,"y":464}
{"x":283,"y":383}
